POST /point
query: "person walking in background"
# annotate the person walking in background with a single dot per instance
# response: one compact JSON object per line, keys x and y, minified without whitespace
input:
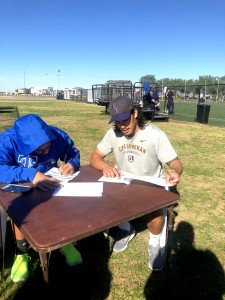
{"x":27,"y":151}
{"x":141,"y":149}
{"x":170,"y":101}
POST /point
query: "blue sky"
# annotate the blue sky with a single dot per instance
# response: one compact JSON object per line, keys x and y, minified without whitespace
{"x":95,"y":41}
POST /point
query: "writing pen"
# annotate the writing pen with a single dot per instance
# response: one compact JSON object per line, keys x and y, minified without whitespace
{"x":64,"y":162}
{"x":168,"y":173}
{"x":65,"y":158}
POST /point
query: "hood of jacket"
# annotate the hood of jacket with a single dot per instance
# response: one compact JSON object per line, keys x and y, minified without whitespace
{"x":31,"y":133}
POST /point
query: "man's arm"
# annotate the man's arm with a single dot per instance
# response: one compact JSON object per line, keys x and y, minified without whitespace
{"x":176,"y":169}
{"x":98,"y":162}
{"x":176,"y":165}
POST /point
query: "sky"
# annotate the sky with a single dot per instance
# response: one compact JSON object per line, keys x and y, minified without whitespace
{"x":78,"y":43}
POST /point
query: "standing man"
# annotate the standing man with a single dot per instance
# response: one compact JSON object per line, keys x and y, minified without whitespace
{"x":140,"y":149}
{"x":170,"y":101}
{"x":27,"y":151}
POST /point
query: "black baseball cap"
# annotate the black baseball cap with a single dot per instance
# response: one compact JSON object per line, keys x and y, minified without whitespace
{"x":120,"y":108}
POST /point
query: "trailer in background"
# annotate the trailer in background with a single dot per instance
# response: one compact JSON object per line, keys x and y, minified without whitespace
{"x":102,"y":94}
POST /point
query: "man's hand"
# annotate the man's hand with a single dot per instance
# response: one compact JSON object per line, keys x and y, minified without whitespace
{"x":109,"y":171}
{"x":97,"y":161}
{"x":66,"y":169}
{"x":44,"y":182}
{"x":173,"y":178}
{"x":176,"y":169}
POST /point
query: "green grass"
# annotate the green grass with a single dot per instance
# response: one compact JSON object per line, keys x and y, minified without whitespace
{"x":198,"y":256}
{"x":187,"y":111}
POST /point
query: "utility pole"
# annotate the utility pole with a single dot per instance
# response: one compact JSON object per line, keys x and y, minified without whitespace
{"x":58,"y":77}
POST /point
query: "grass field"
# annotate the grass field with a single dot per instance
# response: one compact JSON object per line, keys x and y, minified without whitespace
{"x":187,"y":111}
{"x":198,"y":257}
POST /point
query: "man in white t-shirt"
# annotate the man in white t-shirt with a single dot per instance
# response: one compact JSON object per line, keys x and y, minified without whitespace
{"x":141,"y":149}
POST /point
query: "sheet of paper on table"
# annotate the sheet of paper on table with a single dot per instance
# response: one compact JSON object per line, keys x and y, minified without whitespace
{"x":128,"y":177}
{"x":54,"y":173}
{"x":122,"y":179}
{"x":79,"y":189}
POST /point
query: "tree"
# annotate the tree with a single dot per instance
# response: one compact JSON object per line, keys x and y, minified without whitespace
{"x":150,"y":78}
{"x":206,"y":83}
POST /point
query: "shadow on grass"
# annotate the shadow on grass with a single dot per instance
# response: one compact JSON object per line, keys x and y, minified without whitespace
{"x":193,"y":274}
{"x":88,"y":281}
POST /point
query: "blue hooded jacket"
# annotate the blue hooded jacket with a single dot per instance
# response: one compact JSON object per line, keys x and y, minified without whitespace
{"x":147,"y":87}
{"x":18,"y":160}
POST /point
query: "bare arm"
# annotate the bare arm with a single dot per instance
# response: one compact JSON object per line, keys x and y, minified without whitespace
{"x":98,"y":162}
{"x":176,"y":168}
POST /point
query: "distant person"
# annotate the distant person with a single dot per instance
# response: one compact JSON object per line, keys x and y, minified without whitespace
{"x":170,"y":101}
{"x":141,"y":149}
{"x":151,"y":97}
{"x":147,"y":97}
{"x":27,"y":151}
{"x":151,"y":100}
{"x":155,"y":98}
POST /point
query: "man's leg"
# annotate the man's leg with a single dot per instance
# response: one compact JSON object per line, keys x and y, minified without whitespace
{"x":124,"y":236}
{"x":155,"y":222}
{"x":172,"y":106}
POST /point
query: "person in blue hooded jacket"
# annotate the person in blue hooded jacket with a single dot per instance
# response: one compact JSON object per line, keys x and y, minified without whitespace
{"x":27,"y":151}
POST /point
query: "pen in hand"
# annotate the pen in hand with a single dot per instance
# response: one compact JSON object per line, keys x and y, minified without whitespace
{"x":65,"y":158}
{"x":168,"y":173}
{"x":62,"y":167}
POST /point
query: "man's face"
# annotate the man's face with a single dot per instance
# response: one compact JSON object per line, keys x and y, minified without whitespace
{"x":43,"y":149}
{"x":130,"y":126}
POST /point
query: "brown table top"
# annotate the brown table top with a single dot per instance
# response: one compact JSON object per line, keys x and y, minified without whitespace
{"x":49,"y":222}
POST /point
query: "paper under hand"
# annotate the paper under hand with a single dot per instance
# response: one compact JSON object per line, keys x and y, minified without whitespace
{"x":54,"y":173}
{"x":128,"y":177}
{"x":122,"y":179}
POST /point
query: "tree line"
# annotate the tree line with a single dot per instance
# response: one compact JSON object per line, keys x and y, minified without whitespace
{"x":214,"y":85}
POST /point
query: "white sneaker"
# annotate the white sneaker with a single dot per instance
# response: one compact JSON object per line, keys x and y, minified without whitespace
{"x":122,"y":239}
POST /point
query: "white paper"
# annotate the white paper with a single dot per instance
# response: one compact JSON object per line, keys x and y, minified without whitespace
{"x":122,"y":179}
{"x":54,"y":173}
{"x":86,"y":189}
{"x":128,"y":177}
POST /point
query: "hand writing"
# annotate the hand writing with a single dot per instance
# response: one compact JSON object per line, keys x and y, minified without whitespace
{"x":66,"y":169}
{"x":172,"y":178}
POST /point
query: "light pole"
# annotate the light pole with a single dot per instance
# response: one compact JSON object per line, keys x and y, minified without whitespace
{"x":217,"y":94}
{"x":184,"y":90}
{"x":58,"y":77}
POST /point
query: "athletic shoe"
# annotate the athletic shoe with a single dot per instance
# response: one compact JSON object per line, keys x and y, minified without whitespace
{"x":122,"y":239}
{"x":20,"y":270}
{"x":155,"y":258}
{"x":106,"y":233}
{"x":73,"y":256}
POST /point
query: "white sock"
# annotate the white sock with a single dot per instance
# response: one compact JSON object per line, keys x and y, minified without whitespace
{"x":154,"y":239}
{"x":125,"y":226}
